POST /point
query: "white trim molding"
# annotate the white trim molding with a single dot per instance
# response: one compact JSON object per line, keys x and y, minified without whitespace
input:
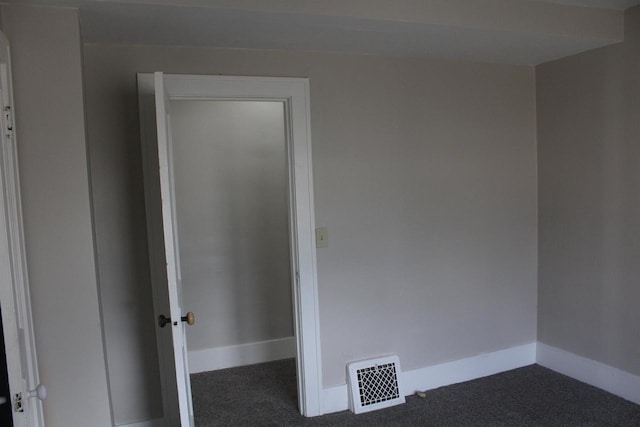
{"x":211,"y":359}
{"x":605,"y":377}
{"x":469,"y":368}
{"x":336,"y":398}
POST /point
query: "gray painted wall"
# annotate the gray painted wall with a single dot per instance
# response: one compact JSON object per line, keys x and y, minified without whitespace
{"x":230,"y":172}
{"x":49,"y":110}
{"x":425,"y":175}
{"x":589,"y":181}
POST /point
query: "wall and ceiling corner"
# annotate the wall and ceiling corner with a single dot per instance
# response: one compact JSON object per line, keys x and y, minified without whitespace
{"x":589,"y":216}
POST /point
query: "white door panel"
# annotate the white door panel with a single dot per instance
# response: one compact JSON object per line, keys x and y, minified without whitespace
{"x":174,"y":283}
{"x":164,"y":255}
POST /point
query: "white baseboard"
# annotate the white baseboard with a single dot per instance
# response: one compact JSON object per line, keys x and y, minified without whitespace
{"x":240,"y":355}
{"x":159,"y":422}
{"x":605,"y":377}
{"x":335,"y":399}
{"x":468,"y":368}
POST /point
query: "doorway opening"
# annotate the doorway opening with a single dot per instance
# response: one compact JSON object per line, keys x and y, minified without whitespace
{"x":231,"y":187}
{"x":231,"y":197}
{"x":235,"y":217}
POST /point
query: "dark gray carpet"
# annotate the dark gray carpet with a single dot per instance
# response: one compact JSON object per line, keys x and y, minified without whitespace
{"x":265,"y":395}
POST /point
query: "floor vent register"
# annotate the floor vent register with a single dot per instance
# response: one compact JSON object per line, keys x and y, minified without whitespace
{"x":374,"y":384}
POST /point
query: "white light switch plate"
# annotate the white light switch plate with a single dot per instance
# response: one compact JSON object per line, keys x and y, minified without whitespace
{"x":322,"y":237}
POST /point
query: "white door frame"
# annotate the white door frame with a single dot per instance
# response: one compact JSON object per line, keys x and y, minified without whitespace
{"x":294,"y":93}
{"x":22,"y":363}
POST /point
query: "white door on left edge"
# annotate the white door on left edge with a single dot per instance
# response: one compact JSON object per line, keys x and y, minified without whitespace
{"x":19,"y":380}
{"x":163,"y":246}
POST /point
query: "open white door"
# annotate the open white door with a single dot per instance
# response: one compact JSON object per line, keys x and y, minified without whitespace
{"x":163,"y":248}
{"x":22,"y":365}
{"x":154,"y":92}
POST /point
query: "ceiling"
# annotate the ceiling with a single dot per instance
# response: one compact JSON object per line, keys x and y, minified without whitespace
{"x":523,"y":32}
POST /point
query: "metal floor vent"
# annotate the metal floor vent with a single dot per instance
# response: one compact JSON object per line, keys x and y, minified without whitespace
{"x":374,"y":384}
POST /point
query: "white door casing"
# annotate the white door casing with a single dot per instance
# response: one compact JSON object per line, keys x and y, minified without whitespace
{"x":22,"y":363}
{"x":294,"y":93}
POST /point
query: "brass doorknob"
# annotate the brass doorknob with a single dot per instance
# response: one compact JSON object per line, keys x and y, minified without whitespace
{"x":190,"y":318}
{"x":163,"y":321}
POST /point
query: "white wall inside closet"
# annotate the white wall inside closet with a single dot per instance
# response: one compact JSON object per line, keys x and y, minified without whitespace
{"x":232,"y":212}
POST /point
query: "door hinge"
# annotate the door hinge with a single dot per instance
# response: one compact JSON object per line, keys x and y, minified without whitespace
{"x":8,"y":121}
{"x":17,"y":403}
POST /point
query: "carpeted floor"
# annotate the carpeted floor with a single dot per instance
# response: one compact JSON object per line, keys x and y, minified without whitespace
{"x":265,"y":395}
